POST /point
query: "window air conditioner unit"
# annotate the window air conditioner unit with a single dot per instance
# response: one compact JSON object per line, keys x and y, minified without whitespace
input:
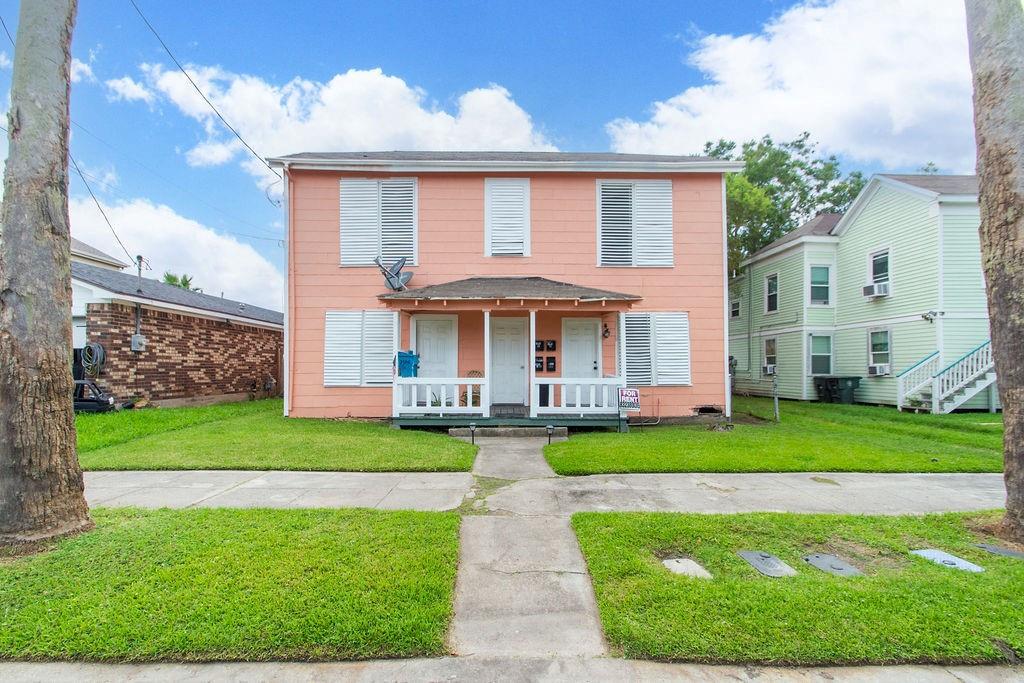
{"x":878,"y":370}
{"x":768,"y":369}
{"x":876,"y":289}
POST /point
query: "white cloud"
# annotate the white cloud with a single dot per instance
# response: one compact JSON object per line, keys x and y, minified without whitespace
{"x":171,"y":242}
{"x":81,"y":71}
{"x":356,"y":110}
{"x":5,"y":61}
{"x":127,"y":89}
{"x":884,"y":81}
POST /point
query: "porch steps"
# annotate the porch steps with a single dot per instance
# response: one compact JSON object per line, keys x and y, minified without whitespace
{"x":448,"y":421}
{"x":522,"y":432}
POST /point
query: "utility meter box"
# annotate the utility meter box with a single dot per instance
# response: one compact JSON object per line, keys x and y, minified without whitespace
{"x":138,"y":342}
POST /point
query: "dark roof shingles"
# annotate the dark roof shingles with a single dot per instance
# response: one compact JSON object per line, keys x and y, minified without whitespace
{"x":942,"y":184}
{"x":539,"y":157}
{"x":822,"y":224}
{"x":89,"y":251}
{"x":128,"y":285}
{"x":507,"y":288}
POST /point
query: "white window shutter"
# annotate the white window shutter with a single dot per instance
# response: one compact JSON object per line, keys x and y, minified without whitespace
{"x":671,"y":348}
{"x":507,"y":216}
{"x":615,"y":221}
{"x":343,"y":331}
{"x":360,"y":221}
{"x":397,"y":219}
{"x":378,"y":346}
{"x":639,"y":358}
{"x":652,"y":223}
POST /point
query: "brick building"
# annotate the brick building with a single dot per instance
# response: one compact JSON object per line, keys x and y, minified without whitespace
{"x":170,"y":345}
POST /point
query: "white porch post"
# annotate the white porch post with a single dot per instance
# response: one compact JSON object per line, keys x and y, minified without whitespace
{"x":534,"y":394}
{"x":621,"y":341}
{"x":485,"y":390}
{"x":396,"y":343}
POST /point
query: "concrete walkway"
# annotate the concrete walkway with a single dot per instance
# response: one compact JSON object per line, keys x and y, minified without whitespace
{"x":245,"y":489}
{"x":547,"y":670}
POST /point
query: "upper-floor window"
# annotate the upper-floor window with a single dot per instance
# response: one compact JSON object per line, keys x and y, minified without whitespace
{"x":634,"y":222}
{"x":507,"y":216}
{"x":880,"y":266}
{"x":734,"y":308}
{"x":821,"y":354}
{"x":378,"y":220}
{"x":820,"y":294}
{"x":771,"y":293}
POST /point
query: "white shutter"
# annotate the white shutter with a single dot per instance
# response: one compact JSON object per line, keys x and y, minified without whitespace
{"x":671,"y":348}
{"x":360,"y":221}
{"x":378,"y":346}
{"x":615,"y":223}
{"x":639,"y":359}
{"x":652,"y":223}
{"x":507,"y":216}
{"x":358,"y":347}
{"x":343,"y":331}
{"x":398,"y":219}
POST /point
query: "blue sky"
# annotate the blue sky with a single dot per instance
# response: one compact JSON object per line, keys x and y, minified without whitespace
{"x":883,"y":84}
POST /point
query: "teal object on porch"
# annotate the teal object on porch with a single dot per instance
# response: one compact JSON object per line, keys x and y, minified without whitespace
{"x":408,"y":364}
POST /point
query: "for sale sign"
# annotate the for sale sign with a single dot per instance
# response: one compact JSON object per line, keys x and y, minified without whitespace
{"x":629,"y":400}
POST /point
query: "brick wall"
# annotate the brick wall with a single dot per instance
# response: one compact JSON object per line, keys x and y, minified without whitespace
{"x":185,"y":357}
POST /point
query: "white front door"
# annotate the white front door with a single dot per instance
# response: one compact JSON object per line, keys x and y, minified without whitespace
{"x":508,"y":360}
{"x":581,"y":355}
{"x":438,"y":349}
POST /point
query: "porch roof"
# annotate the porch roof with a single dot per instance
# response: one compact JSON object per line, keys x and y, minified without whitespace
{"x":480,"y":288}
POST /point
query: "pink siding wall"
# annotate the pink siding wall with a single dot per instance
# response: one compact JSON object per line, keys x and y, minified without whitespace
{"x":451,"y":247}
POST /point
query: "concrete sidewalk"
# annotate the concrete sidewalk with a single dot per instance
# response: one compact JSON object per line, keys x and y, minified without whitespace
{"x":494,"y":669}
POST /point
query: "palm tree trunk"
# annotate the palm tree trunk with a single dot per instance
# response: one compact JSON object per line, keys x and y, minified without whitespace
{"x":996,"y":34}
{"x":41,"y":488}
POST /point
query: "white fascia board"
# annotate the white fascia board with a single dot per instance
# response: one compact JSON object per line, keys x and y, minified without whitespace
{"x":806,"y":239}
{"x":456,"y":166}
{"x":174,"y":308}
{"x":958,"y":199}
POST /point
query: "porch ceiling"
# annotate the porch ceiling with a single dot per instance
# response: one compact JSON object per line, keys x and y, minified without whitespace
{"x":518,"y":289}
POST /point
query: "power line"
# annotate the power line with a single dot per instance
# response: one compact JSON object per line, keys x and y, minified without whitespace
{"x":100,"y":207}
{"x":198,"y":90}
{"x":4,"y":23}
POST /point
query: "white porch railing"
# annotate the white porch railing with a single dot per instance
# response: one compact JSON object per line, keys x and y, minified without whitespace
{"x":961,"y":372}
{"x":576,"y":396}
{"x":441,"y":396}
{"x":918,"y":376}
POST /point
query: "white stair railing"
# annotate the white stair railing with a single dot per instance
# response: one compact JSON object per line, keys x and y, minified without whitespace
{"x":918,"y":376}
{"x":963,"y":371}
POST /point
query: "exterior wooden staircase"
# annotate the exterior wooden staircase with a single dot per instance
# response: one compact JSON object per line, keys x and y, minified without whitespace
{"x":924,"y":385}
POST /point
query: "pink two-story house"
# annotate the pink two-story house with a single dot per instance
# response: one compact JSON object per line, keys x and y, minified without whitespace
{"x":541,"y":283}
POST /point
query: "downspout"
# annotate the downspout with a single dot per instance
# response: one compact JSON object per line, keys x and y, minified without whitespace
{"x":750,"y":322}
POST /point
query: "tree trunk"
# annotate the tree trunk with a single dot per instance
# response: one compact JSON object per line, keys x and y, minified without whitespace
{"x":996,"y":33}
{"x":41,"y":488}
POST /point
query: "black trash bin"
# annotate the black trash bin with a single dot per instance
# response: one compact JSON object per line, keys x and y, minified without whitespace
{"x":827,"y":388}
{"x":846,"y":387}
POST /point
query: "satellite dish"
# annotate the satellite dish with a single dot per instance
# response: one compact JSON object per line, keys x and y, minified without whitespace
{"x":394,"y":278}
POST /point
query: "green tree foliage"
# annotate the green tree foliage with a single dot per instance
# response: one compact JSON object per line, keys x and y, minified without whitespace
{"x":184,"y":281}
{"x":783,"y":185}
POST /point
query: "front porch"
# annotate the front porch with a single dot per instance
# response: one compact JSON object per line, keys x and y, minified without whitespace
{"x":530,"y":352}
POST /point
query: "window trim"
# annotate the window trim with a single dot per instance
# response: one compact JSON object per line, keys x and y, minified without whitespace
{"x":778,"y":290}
{"x":831,"y":285}
{"x":764,"y":352}
{"x":415,"y":260}
{"x":811,"y":354}
{"x":870,"y":279}
{"x":597,"y":216}
{"x":888,"y":336}
{"x":527,"y":237}
{"x":739,"y":309}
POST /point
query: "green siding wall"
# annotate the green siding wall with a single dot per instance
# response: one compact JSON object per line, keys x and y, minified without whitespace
{"x":964,"y":283}
{"x":910,"y":342}
{"x":909,"y":228}
{"x":789,"y":366}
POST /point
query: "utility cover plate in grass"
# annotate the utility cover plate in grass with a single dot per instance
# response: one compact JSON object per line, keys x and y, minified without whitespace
{"x":686,"y":567}
{"x":767,"y":564}
{"x":832,"y":564}
{"x":999,"y":550}
{"x":946,"y":560}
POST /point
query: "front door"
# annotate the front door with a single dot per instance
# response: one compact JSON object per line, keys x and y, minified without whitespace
{"x":437,"y":347}
{"x":581,"y":355}
{"x":508,"y":360}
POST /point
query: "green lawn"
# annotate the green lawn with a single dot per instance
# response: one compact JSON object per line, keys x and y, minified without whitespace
{"x":255,"y":436}
{"x":226,"y":584}
{"x":905,"y":608}
{"x":812,"y":437}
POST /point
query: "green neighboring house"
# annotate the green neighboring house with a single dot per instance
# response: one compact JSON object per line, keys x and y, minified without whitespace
{"x":891,"y":292}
